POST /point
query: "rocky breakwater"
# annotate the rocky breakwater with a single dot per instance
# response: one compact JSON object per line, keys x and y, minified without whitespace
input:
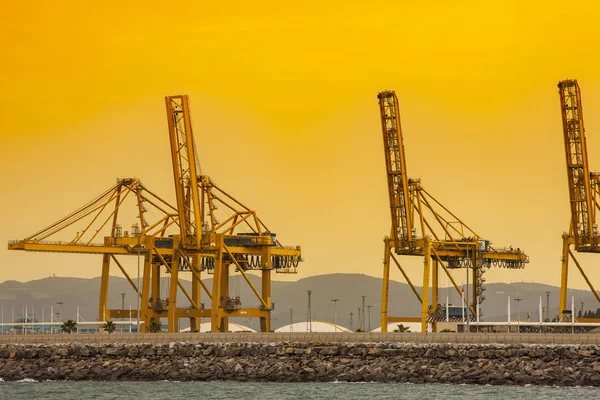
{"x":301,"y":362}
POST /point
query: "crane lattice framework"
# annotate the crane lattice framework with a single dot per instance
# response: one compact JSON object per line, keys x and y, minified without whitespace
{"x":584,"y":190}
{"x":422,"y":226}
{"x":176,"y":240}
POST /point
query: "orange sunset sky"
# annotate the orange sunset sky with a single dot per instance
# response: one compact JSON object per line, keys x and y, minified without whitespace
{"x":285,"y":115}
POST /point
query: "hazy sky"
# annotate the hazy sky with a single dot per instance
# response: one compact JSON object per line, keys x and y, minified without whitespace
{"x":284,"y":107}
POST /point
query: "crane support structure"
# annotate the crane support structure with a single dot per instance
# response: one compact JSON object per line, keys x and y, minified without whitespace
{"x":207,"y":232}
{"x":395,"y":163}
{"x":183,"y":156}
{"x":422,"y":226}
{"x":584,"y":191}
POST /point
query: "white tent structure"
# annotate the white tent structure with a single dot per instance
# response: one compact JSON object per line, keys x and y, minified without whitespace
{"x":314,"y":326}
{"x":233,"y":327}
{"x":413,"y":326}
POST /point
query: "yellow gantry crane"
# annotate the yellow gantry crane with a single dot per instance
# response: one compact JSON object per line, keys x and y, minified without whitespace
{"x":584,"y":190}
{"x":422,"y":226}
{"x":221,"y":244}
{"x":176,"y":240}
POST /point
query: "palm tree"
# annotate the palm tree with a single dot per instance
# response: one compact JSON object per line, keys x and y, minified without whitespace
{"x":109,"y":326}
{"x":68,"y":326}
{"x":402,"y":328}
{"x":154,"y":325}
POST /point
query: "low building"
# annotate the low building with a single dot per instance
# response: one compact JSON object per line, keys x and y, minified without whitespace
{"x":313,"y":326}
{"x":233,"y":327}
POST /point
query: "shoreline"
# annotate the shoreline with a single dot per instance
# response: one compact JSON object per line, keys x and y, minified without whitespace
{"x":386,"y":362}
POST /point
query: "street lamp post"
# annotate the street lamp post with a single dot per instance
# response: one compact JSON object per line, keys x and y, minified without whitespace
{"x":518,"y":300}
{"x":351,"y":326}
{"x":369,"y":308}
{"x":309,"y":313}
{"x":60,"y":303}
{"x":122,"y":306}
{"x":547,"y":306}
{"x":362,"y":325}
{"x":335,"y":312}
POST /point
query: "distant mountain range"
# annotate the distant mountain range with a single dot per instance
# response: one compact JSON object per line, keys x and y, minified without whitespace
{"x":40,"y":295}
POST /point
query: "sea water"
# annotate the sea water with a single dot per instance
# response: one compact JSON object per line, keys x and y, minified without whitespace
{"x":280,"y":391}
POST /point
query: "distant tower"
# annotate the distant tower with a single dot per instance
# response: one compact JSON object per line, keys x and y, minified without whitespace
{"x":362,"y":321}
{"x":309,"y":313}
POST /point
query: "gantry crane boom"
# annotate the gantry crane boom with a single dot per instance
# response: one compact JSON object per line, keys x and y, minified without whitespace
{"x":583,"y":188}
{"x":257,"y":249}
{"x":445,"y":241}
{"x":580,"y":196}
{"x":197,"y":247}
{"x":185,"y":170}
{"x":395,"y":163}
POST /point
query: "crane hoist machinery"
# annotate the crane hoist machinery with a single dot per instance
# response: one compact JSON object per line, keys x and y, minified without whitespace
{"x":584,"y":190}
{"x":424,"y":227}
{"x":207,"y":231}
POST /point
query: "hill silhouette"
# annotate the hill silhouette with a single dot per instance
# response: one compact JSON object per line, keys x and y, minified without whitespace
{"x":39,"y":295}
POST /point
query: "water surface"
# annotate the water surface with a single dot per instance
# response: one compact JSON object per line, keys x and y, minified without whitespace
{"x":280,"y":391}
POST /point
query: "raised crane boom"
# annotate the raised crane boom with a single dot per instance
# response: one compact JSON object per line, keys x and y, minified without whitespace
{"x":582,"y":210}
{"x":185,"y":170}
{"x":583,"y":193}
{"x":395,"y":162}
{"x":422,"y":226}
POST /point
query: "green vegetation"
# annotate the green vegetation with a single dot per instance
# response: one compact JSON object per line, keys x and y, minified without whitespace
{"x":68,"y":326}
{"x":154,"y":326}
{"x":109,"y":326}
{"x":402,"y":328}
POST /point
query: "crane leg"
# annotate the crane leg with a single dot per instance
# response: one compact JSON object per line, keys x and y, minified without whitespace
{"x":564,"y":277}
{"x":145,"y":300}
{"x":265,"y":322}
{"x":434,"y":291}
{"x":425,"y":292}
{"x":216,"y":319}
{"x":225,"y":292}
{"x":172,"y":318}
{"x":104,"y":287}
{"x":196,"y":292}
{"x":386,"y":285}
{"x":155,"y":284}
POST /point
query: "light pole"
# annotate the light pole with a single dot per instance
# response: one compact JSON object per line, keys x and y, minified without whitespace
{"x":309,"y":314}
{"x":582,"y":303}
{"x":547,"y":305}
{"x":369,"y":308}
{"x":351,"y":326}
{"x":518,"y":300}
{"x":335,"y":312}
{"x":60,"y":303}
{"x":122,"y":306}
{"x":362,"y":325}
{"x":358,"y":323}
